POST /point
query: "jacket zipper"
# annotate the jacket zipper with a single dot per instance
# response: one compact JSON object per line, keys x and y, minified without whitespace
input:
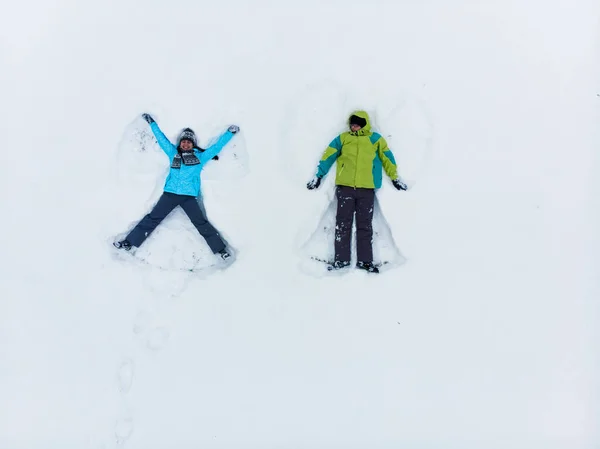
{"x":356,"y":163}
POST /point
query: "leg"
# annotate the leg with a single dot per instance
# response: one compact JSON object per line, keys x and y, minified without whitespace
{"x":343,"y":222}
{"x":206,"y":230}
{"x":201,"y":204}
{"x":165,"y":205}
{"x":365,"y":203}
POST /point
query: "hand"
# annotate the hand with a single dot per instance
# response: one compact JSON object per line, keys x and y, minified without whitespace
{"x":314,"y":183}
{"x":399,"y":184}
{"x":148,"y":118}
{"x":233,"y":129}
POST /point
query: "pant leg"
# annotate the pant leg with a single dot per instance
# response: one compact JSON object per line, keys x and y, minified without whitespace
{"x":206,"y":230}
{"x":200,"y":201}
{"x":343,"y":222}
{"x":365,"y":203}
{"x":165,"y":205}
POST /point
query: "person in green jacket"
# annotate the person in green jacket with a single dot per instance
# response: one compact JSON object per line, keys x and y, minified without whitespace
{"x":361,"y":155}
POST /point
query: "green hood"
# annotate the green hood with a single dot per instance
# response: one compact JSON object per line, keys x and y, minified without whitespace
{"x":365,"y":130}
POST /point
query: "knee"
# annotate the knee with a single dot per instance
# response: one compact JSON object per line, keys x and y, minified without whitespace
{"x":204,"y":227}
{"x":200,"y":223}
{"x":364,"y":226}
{"x":153,"y":218}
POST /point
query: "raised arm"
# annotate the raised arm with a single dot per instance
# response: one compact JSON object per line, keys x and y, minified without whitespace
{"x":163,"y":142}
{"x":216,"y":147}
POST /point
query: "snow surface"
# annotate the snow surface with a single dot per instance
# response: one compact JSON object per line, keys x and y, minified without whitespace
{"x":487,"y":335}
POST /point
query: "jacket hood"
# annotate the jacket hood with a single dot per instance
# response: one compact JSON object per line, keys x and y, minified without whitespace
{"x":365,"y":130}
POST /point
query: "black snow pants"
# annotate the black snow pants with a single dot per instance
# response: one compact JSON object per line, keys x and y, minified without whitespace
{"x":361,"y":202}
{"x":166,"y":204}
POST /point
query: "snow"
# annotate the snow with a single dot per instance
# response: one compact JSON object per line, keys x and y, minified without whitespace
{"x":486,"y":336}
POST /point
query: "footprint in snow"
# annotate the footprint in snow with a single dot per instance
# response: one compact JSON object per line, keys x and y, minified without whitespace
{"x":142,"y":322}
{"x":123,"y":430}
{"x":125,"y":375}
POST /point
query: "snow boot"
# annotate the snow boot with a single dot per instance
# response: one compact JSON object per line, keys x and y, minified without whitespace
{"x":224,"y":254}
{"x":367,"y":266}
{"x":123,"y":244}
{"x":338,"y":265}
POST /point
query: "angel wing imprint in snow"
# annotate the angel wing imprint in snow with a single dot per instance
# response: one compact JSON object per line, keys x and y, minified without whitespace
{"x":319,"y":246}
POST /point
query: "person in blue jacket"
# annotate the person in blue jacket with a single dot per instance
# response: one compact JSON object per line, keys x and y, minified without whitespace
{"x":182,"y":187}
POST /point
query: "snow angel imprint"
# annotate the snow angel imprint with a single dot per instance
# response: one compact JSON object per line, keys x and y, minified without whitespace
{"x":182,"y":188}
{"x":360,"y":155}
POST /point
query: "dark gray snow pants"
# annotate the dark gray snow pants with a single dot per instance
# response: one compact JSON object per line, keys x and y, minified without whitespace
{"x":360,"y":202}
{"x":166,"y":204}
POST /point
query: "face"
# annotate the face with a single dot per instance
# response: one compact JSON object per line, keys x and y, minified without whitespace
{"x":186,"y":145}
{"x":355,"y":127}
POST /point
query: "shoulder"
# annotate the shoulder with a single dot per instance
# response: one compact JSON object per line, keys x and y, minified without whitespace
{"x":337,"y":141}
{"x":344,"y":137}
{"x":378,"y":140}
{"x":375,"y":137}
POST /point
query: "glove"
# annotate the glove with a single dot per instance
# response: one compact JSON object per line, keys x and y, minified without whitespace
{"x":314,"y":183}
{"x":233,"y":129}
{"x":148,"y":118}
{"x":399,"y":184}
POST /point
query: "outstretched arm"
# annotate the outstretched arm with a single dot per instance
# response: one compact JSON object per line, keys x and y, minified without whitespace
{"x":164,"y":143}
{"x":216,"y":147}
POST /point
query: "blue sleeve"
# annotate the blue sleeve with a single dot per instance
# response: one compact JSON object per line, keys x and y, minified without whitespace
{"x":332,"y":152}
{"x":164,"y":143}
{"x":216,"y":147}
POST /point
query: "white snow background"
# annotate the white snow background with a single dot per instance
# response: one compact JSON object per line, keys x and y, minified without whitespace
{"x":486,"y":337}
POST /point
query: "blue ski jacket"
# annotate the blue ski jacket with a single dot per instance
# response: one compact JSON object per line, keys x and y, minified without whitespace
{"x":186,"y":180}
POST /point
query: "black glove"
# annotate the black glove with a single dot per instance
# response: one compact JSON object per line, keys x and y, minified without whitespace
{"x":314,"y":183}
{"x":233,"y":129}
{"x":399,"y":184}
{"x":148,"y":118}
